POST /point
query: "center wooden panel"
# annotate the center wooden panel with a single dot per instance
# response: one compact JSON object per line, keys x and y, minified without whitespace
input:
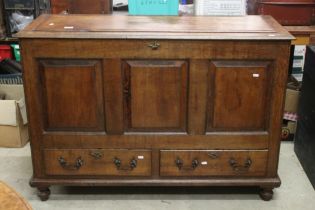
{"x":72,"y":95}
{"x":238,"y":95}
{"x":155,"y":95}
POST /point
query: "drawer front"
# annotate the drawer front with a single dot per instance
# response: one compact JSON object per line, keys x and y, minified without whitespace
{"x":213,"y":163}
{"x":98,"y":162}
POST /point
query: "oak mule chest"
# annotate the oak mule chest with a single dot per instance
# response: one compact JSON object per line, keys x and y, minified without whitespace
{"x":155,"y":101}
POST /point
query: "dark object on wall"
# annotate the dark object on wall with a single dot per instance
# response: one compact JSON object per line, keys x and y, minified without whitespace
{"x":289,"y":12}
{"x":19,"y":13}
{"x":9,"y":66}
{"x":82,"y":6}
{"x":304,"y":144}
{"x":18,"y":19}
{"x":2,"y":26}
{"x":42,"y":6}
{"x":252,"y":7}
{"x":10,"y":72}
{"x":19,"y":4}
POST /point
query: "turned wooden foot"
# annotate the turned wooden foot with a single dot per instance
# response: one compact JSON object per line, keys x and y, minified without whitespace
{"x":266,"y":194}
{"x":43,"y":193}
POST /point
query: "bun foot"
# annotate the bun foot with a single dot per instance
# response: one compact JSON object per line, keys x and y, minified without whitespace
{"x":43,"y":193}
{"x":266,"y":194}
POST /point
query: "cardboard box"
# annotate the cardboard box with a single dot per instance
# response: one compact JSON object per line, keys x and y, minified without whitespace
{"x":13,"y":120}
{"x":292,"y":101}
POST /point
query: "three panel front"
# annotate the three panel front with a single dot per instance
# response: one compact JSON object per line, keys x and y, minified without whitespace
{"x":154,"y":95}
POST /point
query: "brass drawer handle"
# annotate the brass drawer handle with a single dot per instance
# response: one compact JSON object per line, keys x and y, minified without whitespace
{"x":240,"y":168}
{"x":76,"y":166}
{"x":154,"y":46}
{"x":132,"y":164}
{"x":180,"y":164}
{"x":97,"y":154}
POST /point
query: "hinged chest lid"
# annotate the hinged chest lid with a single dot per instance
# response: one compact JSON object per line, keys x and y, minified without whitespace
{"x":155,"y":27}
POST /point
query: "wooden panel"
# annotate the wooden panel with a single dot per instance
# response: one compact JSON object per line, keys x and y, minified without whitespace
{"x":289,"y":12}
{"x":165,"y":182}
{"x":168,"y":27}
{"x":72,"y":95}
{"x":90,"y":7}
{"x":198,"y":89}
{"x":81,"y":6}
{"x":98,"y":162}
{"x":122,"y":23}
{"x":113,"y":94}
{"x":301,"y":40}
{"x":277,"y":107}
{"x":169,"y":49}
{"x":58,"y":6}
{"x":155,"y":95}
{"x":213,"y":140}
{"x":213,"y":163}
{"x":239,"y":95}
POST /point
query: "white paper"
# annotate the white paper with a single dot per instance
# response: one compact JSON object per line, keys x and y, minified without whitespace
{"x":140,"y":157}
{"x":220,"y":7}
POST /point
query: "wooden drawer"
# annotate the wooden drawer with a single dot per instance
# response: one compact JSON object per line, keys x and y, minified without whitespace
{"x":98,"y":162}
{"x":213,"y":163}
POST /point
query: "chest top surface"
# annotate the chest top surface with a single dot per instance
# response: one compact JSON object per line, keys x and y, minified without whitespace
{"x":155,"y":27}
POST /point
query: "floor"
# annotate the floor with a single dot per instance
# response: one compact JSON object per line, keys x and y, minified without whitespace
{"x":296,"y":191}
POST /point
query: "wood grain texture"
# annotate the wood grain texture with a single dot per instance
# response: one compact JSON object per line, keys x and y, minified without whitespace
{"x":213,"y":163}
{"x":238,"y":182}
{"x":277,"y":108}
{"x":72,"y":95}
{"x":90,"y":7}
{"x":174,"y":96}
{"x":34,"y":115}
{"x":198,"y":90}
{"x":159,"y":27}
{"x":81,"y":6}
{"x":113,"y":95}
{"x":239,"y":95}
{"x":213,"y":140}
{"x":169,"y":49}
{"x":103,"y":165}
{"x":155,"y":94}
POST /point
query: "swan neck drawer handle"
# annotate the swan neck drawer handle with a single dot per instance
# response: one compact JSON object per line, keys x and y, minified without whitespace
{"x":76,"y":166}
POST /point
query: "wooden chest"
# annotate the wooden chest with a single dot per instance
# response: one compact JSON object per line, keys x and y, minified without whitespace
{"x":157,"y":101}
